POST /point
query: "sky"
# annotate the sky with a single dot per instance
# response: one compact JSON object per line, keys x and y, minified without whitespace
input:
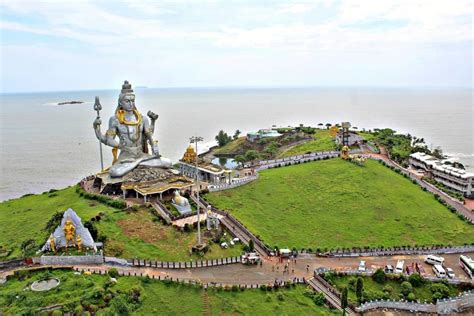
{"x":79,"y":45}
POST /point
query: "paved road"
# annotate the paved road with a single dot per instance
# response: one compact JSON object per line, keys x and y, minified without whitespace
{"x":272,"y":269}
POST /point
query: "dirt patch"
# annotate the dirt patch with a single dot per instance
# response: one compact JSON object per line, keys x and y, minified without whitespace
{"x":142,"y":228}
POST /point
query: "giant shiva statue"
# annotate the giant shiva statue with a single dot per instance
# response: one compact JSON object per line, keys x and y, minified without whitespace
{"x":134,"y":133}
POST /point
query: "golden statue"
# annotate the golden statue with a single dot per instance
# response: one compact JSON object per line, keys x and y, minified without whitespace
{"x":345,"y":152}
{"x":52,"y":243}
{"x":69,"y":232}
{"x":79,"y":242}
{"x":190,"y":155}
{"x":333,"y":131}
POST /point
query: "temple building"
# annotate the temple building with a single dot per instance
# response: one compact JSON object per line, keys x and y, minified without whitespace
{"x":208,"y":173}
{"x":454,"y":178}
{"x":261,"y":134}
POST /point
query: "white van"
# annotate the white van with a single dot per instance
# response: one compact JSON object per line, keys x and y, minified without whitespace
{"x":439,"y":271}
{"x":362,"y":266}
{"x":399,"y":267}
{"x":434,"y":260}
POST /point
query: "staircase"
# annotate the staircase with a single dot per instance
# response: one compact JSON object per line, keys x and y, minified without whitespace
{"x":206,"y":306}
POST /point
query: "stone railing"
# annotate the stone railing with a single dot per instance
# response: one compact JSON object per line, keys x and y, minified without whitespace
{"x":12,"y":263}
{"x":372,"y":252}
{"x":235,"y":183}
{"x":445,"y":306}
{"x":265,"y":164}
{"x":184,"y":264}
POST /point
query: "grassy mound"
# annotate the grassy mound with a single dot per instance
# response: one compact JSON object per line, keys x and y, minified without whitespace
{"x":128,"y":235}
{"x":334,"y":203}
{"x":322,"y":142}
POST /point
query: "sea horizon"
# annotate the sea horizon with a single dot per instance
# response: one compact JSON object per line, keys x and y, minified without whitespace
{"x":52,"y":159}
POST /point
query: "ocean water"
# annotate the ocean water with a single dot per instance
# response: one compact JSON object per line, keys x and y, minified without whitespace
{"x":46,"y":146}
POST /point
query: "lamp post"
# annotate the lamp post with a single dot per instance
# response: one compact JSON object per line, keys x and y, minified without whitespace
{"x":195,"y":140}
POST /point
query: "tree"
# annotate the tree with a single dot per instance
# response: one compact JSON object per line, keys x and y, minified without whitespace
{"x":379,"y":276}
{"x":222,"y":138}
{"x":240,"y":159}
{"x":272,"y":148}
{"x":415,"y":279}
{"x":251,"y":245}
{"x":328,"y":125}
{"x":237,"y":134}
{"x":344,"y":302}
{"x":252,"y":155}
{"x":406,"y":288}
{"x":320,"y":124}
{"x":359,"y":289}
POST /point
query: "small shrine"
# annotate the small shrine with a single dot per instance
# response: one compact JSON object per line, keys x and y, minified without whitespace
{"x":208,"y":172}
{"x":69,"y":234}
{"x":190,"y":155}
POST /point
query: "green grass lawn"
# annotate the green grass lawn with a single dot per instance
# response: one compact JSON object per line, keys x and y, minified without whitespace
{"x":322,"y":142}
{"x":376,"y":290}
{"x":334,"y":203}
{"x":128,"y":235}
{"x":81,"y":292}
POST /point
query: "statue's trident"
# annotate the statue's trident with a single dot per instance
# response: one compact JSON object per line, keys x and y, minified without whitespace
{"x":98,"y":107}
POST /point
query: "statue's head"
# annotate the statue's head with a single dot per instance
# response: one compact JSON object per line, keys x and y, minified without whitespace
{"x":126,"y":99}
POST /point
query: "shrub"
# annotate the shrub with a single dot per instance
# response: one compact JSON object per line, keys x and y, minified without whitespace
{"x":379,"y":276}
{"x":439,"y":291}
{"x":319,"y":299}
{"x":388,"y":289}
{"x":411,"y":297}
{"x":119,"y":305}
{"x":263,"y":287}
{"x":406,"y":288}
{"x":280,"y":297}
{"x":113,"y":273}
{"x":415,"y":279}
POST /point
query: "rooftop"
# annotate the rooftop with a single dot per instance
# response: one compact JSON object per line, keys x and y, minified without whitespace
{"x":437,"y":164}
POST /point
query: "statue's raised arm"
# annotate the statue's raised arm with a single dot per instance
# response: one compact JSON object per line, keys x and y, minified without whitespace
{"x":134,"y":135}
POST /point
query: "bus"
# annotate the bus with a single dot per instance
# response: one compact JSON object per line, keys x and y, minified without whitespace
{"x":434,"y":260}
{"x":439,"y":271}
{"x":467,"y":264}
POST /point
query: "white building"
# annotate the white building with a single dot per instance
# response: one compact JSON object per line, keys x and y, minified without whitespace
{"x":454,"y":178}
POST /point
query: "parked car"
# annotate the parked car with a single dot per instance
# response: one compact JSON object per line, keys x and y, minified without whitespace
{"x":439,"y":271}
{"x":361,"y":266}
{"x":450,"y":273}
{"x":388,"y":268}
{"x":410,"y":269}
{"x":420,"y":269}
{"x":433,"y":260}
{"x":250,"y":258}
{"x":399,"y":267}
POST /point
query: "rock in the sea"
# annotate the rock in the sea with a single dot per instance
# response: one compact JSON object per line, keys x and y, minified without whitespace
{"x":70,"y":102}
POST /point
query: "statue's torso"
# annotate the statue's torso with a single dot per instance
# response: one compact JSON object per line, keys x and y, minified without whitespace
{"x":129,"y":135}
